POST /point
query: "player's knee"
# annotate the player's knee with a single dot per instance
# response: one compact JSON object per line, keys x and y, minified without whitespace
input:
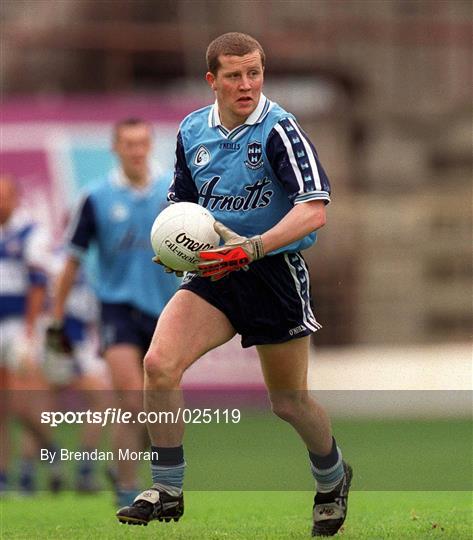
{"x":283,"y":411}
{"x":286,"y":407}
{"x":161,"y":370}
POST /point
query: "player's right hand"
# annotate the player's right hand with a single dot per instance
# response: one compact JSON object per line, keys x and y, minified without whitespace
{"x":56,"y":338}
{"x":236,"y":254}
{"x":168,"y":270}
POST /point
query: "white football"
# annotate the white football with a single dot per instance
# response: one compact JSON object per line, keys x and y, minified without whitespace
{"x":179,"y":232}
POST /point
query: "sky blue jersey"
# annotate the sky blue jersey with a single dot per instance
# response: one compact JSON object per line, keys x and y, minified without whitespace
{"x":118,"y":219}
{"x":252,"y":176}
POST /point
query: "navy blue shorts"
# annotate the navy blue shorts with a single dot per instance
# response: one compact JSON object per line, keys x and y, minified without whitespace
{"x":268,"y":303}
{"x":125,"y":324}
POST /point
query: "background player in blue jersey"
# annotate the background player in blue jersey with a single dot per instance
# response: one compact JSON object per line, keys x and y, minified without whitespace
{"x":116,"y":216}
{"x":249,"y":162}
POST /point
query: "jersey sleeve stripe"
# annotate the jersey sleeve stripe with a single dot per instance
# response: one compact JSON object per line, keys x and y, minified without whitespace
{"x":312,"y":196}
{"x":310,"y":155}
{"x":292,"y":157}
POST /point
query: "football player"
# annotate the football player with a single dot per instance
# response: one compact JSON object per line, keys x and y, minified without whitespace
{"x":250,"y":163}
{"x":115,"y":215}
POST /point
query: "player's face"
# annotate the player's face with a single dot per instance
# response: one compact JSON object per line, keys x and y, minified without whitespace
{"x":237,"y":86}
{"x":8,"y":198}
{"x":132,"y":147}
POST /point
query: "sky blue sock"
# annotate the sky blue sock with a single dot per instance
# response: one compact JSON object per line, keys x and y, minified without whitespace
{"x":125,"y":497}
{"x":327,"y":470}
{"x":167,"y":467}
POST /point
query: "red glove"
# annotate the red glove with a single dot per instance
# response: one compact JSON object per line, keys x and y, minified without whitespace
{"x":237,"y":253}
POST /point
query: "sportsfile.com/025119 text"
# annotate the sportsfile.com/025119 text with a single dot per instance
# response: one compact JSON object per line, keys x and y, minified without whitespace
{"x":112,"y":415}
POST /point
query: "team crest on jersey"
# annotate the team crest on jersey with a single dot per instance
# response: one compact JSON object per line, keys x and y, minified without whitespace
{"x":202,"y":156}
{"x":254,"y":155}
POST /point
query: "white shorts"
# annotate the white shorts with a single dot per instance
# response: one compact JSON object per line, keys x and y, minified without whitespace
{"x":89,"y":362}
{"x":61,"y":369}
{"x":15,"y":348}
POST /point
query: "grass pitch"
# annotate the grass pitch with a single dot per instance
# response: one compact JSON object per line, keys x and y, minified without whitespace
{"x":244,"y":516}
{"x":412,"y":479}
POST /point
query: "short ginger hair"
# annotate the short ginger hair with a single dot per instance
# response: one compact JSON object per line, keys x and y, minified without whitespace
{"x":231,"y":44}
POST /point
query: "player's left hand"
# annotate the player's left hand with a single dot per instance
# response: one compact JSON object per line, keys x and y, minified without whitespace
{"x":237,"y":253}
{"x":167,"y":269}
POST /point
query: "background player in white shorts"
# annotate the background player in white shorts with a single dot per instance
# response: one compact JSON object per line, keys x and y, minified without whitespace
{"x":24,"y":247}
{"x":79,"y":367}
